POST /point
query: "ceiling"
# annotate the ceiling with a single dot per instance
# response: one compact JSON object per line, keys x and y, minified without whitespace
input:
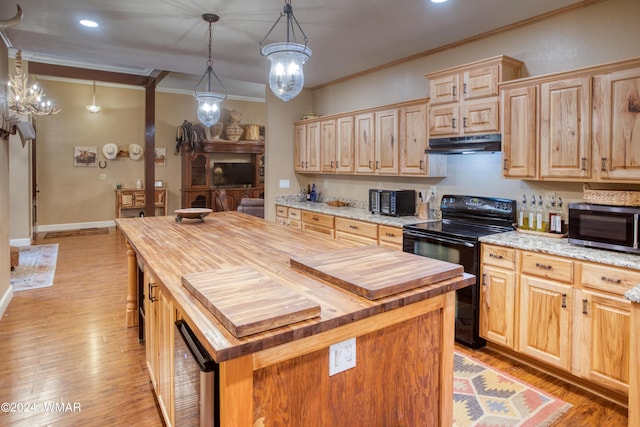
{"x":346,"y":36}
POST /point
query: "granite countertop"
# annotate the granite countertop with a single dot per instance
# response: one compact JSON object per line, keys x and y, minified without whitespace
{"x":356,"y":210}
{"x":562,"y":247}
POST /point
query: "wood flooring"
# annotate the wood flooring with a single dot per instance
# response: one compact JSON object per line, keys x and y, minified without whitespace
{"x":67,"y":359}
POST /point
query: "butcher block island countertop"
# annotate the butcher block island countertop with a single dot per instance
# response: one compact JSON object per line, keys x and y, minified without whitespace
{"x":274,"y":367}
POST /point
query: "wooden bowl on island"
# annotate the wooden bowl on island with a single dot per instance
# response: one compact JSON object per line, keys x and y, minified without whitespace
{"x":192,"y":213}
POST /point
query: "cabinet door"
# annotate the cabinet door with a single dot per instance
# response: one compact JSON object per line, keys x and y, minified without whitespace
{"x":413,"y":140}
{"x":198,"y":171}
{"x":328,"y":146}
{"x":344,"y":144}
{"x":480,"y":116}
{"x":387,"y":141}
{"x":497,"y":305}
{"x":545,"y":321}
{"x":603,"y":353}
{"x":444,"y":89}
{"x":617,"y":125}
{"x":365,"y":147}
{"x":139,"y":199}
{"x":127,"y":200}
{"x":480,"y":82}
{"x":312,"y":163}
{"x":519,"y":132}
{"x":151,"y":327}
{"x":565,"y":128}
{"x":299,"y":148}
{"x":444,"y":120}
{"x":166,"y":320}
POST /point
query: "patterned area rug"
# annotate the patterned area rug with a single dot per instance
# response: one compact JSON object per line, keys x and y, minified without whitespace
{"x":74,"y":233}
{"x":37,"y":267}
{"x":483,"y":397}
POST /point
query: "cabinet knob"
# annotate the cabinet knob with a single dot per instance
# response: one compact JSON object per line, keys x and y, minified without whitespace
{"x":585,"y":304}
{"x":454,"y":91}
{"x":603,"y":164}
{"x":610,"y":280}
{"x":150,"y":292}
{"x":421,"y":164}
{"x":583,"y":162}
{"x":453,"y":123}
{"x":543,"y":266}
{"x":564,"y":300}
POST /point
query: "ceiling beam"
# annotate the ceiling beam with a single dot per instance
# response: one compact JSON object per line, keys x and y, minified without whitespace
{"x":43,"y":69}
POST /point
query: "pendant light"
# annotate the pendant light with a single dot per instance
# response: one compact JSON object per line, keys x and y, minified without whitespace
{"x":286,"y":77}
{"x":93,"y":108}
{"x":209,"y":101}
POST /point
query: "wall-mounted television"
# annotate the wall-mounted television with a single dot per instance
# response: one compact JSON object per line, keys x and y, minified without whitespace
{"x":228,"y":174}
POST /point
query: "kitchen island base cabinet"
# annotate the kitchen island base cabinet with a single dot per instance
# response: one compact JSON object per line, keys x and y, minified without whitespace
{"x":403,"y":373}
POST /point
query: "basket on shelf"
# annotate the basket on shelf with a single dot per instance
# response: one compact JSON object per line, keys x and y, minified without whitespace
{"x":611,"y":197}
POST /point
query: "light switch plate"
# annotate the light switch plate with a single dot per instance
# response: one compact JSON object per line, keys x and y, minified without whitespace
{"x":284,"y":183}
{"x":342,"y":356}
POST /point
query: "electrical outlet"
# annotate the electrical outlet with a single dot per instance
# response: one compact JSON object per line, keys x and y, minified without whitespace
{"x":103,"y":177}
{"x":284,"y":183}
{"x":342,"y":356}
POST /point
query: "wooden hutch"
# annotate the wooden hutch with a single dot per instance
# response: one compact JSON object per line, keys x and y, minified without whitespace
{"x":198,"y":190}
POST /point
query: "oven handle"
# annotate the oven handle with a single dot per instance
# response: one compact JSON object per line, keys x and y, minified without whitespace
{"x":440,"y":239}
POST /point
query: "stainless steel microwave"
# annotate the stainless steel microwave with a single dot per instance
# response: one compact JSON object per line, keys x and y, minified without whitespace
{"x":392,"y":202}
{"x":603,"y":226}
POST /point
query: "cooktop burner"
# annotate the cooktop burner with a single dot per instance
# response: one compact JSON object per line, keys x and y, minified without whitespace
{"x":470,"y":217}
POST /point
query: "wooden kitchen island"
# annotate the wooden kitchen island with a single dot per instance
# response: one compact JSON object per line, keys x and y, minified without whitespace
{"x":404,"y":342}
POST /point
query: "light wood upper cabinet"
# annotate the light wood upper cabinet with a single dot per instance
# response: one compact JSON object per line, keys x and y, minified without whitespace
{"x":464,"y":100}
{"x":617,"y":125}
{"x":306,"y":145}
{"x":344,"y":144}
{"x":587,"y":125}
{"x":519,"y":132}
{"x":565,"y":128}
{"x":414,"y":142}
{"x":386,"y":123}
{"x":328,"y":145}
{"x":365,"y":143}
{"x":299,"y":147}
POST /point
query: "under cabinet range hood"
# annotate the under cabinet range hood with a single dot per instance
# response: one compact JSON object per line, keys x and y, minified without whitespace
{"x":465,"y":144}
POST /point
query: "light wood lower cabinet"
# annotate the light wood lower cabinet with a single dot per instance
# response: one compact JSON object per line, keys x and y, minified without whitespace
{"x":497,"y":302}
{"x":159,"y":335}
{"x":390,"y":237}
{"x":353,"y":230}
{"x":318,"y":223}
{"x":566,"y":313}
{"x":545,"y":320}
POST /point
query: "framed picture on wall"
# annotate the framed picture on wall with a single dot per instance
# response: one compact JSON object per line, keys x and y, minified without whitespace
{"x":85,"y":156}
{"x":161,"y":157}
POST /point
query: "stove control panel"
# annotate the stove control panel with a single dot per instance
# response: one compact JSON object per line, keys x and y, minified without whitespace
{"x":475,"y":205}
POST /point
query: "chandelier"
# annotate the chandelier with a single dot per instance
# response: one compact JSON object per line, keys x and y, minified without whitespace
{"x":208,"y":101}
{"x":286,"y":77}
{"x":93,"y":108}
{"x":25,"y":98}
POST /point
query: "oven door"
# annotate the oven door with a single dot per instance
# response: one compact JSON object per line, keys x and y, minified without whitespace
{"x":458,"y":251}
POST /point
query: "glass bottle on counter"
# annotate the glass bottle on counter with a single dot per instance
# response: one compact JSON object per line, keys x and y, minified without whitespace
{"x":308,"y":192}
{"x":523,"y":214}
{"x":313,"y":193}
{"x":532,"y":213}
{"x":553,"y":216}
{"x":542,"y":221}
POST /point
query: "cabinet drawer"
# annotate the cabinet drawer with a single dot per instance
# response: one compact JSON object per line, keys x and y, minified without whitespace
{"x":391,"y":235}
{"x":359,"y":228}
{"x":609,"y":279}
{"x":341,"y":235}
{"x":549,"y":267}
{"x":282,"y":221}
{"x":499,"y":256}
{"x":294,"y":223}
{"x":310,"y":228}
{"x":282,"y":211}
{"x":317,"y":219}
{"x":295,"y":214}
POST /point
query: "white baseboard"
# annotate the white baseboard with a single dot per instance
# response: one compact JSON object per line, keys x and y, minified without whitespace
{"x":5,"y":300}
{"x":21,"y":242}
{"x":75,"y":226}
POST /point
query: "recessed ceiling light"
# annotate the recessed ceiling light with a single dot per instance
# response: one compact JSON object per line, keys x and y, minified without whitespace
{"x":88,"y":23}
{"x":438,"y":1}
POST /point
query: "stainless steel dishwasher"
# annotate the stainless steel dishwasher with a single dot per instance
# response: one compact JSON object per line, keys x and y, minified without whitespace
{"x":196,"y":383}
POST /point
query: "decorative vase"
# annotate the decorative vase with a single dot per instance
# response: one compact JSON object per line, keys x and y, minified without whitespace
{"x":234,"y":131}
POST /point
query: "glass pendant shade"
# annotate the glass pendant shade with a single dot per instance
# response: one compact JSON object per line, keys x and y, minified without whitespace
{"x":209,"y":107}
{"x":286,"y":77}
